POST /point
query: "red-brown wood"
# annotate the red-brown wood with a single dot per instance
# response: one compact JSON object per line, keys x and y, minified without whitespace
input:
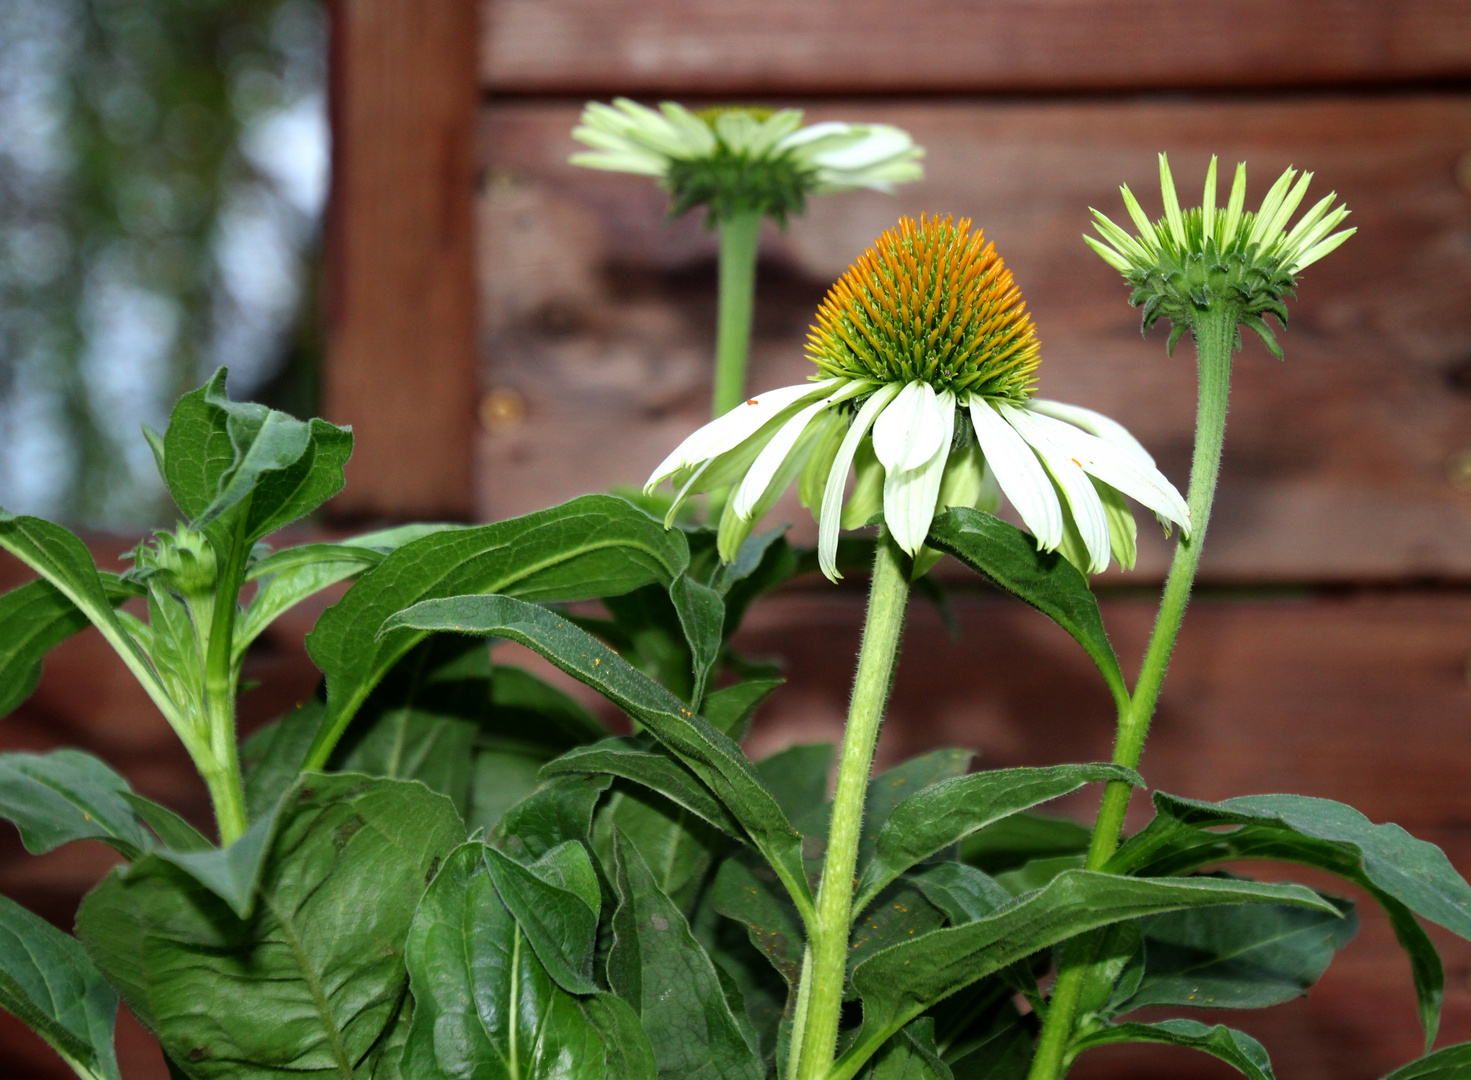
{"x":401,"y":298}
{"x":685,"y":47}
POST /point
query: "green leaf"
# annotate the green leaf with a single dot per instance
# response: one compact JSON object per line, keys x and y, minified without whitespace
{"x":220,"y":455}
{"x":1447,"y":1063}
{"x":678,"y":846}
{"x":64,"y":561}
{"x":655,"y":770}
{"x":230,"y":873}
{"x":484,"y":1005}
{"x":629,"y":1053}
{"x":34,"y":619}
{"x":559,"y":923}
{"x":272,"y":757}
{"x":962,"y":892}
{"x":658,"y":967}
{"x":174,"y":831}
{"x":900,"y":982}
{"x":1020,"y":838}
{"x":900,"y":913}
{"x":593,"y":546}
{"x":1038,"y":874}
{"x":747,"y":891}
{"x":67,"y":795}
{"x":1047,"y":581}
{"x":713,"y":757}
{"x":1235,"y":1048}
{"x":910,"y":1055}
{"x":730,"y":708}
{"x":797,"y":778}
{"x":702,"y":617}
{"x":893,"y":786}
{"x":948,"y":812}
{"x":1238,"y":957}
{"x":1402,"y":873}
{"x":49,"y":982}
{"x":315,"y":977}
{"x":1000,"y":1050}
{"x":560,"y":809}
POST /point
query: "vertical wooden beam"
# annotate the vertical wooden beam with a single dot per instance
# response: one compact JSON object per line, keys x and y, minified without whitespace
{"x":400,"y":248}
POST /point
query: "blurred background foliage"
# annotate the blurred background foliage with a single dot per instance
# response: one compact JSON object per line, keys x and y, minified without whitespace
{"x":163,"y":167}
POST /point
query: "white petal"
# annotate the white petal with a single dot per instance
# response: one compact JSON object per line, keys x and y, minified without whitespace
{"x":1082,"y":497}
{"x":830,"y":519}
{"x":1118,"y":469}
{"x":880,"y":143}
{"x":1019,"y":474}
{"x":910,"y":430}
{"x":728,"y":431}
{"x":813,"y":132}
{"x":1095,"y":423}
{"x":910,"y":495}
{"x":758,"y":478}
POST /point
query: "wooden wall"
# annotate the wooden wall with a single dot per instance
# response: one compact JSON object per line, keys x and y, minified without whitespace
{"x":1329,"y":654}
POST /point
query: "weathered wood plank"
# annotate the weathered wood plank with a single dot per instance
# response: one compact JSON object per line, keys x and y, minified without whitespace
{"x":883,"y":46}
{"x":1341,"y":464}
{"x":401,"y":299}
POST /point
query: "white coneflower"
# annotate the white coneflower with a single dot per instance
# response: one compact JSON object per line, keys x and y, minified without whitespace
{"x":1189,"y":259}
{"x":926,"y":362}
{"x":743,"y":158}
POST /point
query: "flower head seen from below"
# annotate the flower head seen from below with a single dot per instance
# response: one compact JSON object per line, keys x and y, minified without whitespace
{"x":1189,"y":260}
{"x":926,"y":363}
{"x":736,"y":159}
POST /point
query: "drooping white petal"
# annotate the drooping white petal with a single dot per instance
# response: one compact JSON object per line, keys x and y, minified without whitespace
{"x":830,"y":519}
{"x":773,"y":129}
{"x":812,"y":133}
{"x":910,"y":494}
{"x":910,"y":430}
{"x":880,"y":142}
{"x":1082,"y":498}
{"x":1018,"y":472}
{"x":1116,"y":467}
{"x":768,"y":463}
{"x":726,"y":432}
{"x":1106,"y":428}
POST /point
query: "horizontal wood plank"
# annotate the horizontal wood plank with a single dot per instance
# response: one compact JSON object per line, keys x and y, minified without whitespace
{"x":885,"y":46}
{"x":1351,"y":461}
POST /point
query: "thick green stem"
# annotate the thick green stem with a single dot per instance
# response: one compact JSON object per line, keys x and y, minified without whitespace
{"x":1215,"y":337}
{"x":822,"y":989}
{"x":739,"y":235}
{"x":222,"y":774}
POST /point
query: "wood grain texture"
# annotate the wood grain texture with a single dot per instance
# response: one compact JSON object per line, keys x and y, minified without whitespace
{"x":1348,"y":462}
{"x":879,"y":46}
{"x":401,"y":299}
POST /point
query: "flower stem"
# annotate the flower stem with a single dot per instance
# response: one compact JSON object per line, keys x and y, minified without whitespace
{"x":822,"y":988}
{"x":1215,"y":337}
{"x":222,"y":774}
{"x":739,"y":234}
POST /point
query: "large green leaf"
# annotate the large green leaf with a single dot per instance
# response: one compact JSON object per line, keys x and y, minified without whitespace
{"x":68,"y":795}
{"x":49,"y":982}
{"x":231,"y":873}
{"x":1447,"y":1063}
{"x":64,"y":561}
{"x":560,"y":922}
{"x":1235,"y":1048}
{"x":558,"y":810}
{"x":316,"y":975}
{"x":731,"y":708}
{"x":892,"y":786}
{"x":658,"y":967}
{"x":712,"y":756}
{"x":1406,"y":876}
{"x":654,"y":769}
{"x":797,"y":778}
{"x":673,"y":634}
{"x":948,"y":812}
{"x":34,"y":619}
{"x":678,"y":846}
{"x":593,"y":546}
{"x":1046,"y":580}
{"x":272,"y":757}
{"x":747,"y":891}
{"x":484,"y":1005}
{"x":254,"y":466}
{"x":629,"y":1054}
{"x":1246,"y":957}
{"x":900,"y":982}
{"x":910,"y":1055}
{"x":1016,"y":840}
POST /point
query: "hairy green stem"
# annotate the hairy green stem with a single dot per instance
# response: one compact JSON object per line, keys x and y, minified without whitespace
{"x":222,"y":774}
{"x":739,"y":236}
{"x":1215,"y":337}
{"x":827,"y":937}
